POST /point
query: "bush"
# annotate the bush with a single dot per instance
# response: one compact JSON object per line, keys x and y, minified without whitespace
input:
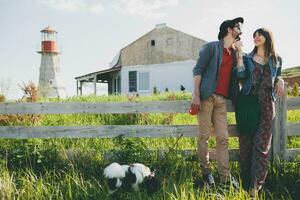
{"x":155,"y":91}
{"x":2,"y":98}
{"x":295,"y":90}
{"x":30,"y":95}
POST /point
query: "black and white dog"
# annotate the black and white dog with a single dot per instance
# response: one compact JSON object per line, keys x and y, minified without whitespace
{"x":130,"y":176}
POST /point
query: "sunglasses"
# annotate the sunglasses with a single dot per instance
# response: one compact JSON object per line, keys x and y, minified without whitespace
{"x":238,"y":27}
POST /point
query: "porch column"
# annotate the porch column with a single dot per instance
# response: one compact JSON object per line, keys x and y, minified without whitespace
{"x":95,"y":84}
{"x":80,"y":88}
{"x":110,"y":88}
{"x":77,"y":87}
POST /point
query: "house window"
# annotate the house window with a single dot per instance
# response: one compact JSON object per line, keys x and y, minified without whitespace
{"x":152,"y":42}
{"x":144,"y":81}
{"x":132,"y":81}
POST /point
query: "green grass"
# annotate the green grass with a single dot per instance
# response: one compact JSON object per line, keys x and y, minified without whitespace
{"x":72,"y":168}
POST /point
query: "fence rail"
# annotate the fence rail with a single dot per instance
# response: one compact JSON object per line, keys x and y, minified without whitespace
{"x":108,"y":131}
{"x":95,"y":108}
{"x":178,"y":106}
{"x":281,"y":129}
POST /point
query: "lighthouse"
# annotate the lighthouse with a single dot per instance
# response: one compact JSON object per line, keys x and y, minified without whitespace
{"x":50,"y":82}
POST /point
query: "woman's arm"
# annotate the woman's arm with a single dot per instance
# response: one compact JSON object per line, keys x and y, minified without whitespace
{"x":279,"y":87}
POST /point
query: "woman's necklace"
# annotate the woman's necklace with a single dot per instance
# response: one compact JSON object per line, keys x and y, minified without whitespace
{"x":259,"y":59}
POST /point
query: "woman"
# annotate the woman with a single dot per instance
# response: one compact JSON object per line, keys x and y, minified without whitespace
{"x":260,"y":79}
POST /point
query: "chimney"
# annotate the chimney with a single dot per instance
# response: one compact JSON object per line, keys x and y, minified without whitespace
{"x":163,"y":25}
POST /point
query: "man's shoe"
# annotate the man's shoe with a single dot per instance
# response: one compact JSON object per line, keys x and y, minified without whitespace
{"x":208,"y":180}
{"x":231,"y":181}
{"x":253,"y":193}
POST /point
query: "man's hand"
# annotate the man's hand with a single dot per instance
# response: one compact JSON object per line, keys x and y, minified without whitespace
{"x":237,"y":45}
{"x":280,"y":87}
{"x":196,"y":94}
{"x":195,"y":101}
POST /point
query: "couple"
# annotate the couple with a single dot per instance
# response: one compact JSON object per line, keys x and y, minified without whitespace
{"x":250,"y":81}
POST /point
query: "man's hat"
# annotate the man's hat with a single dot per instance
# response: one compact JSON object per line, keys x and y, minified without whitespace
{"x":228,"y":24}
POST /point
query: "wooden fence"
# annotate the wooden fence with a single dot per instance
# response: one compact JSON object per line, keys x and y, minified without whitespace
{"x":281,"y":129}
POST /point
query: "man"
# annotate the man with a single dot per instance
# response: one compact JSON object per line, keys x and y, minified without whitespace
{"x":212,"y":85}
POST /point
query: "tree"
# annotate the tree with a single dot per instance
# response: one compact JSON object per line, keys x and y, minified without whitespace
{"x":182,"y":88}
{"x":2,"y":98}
{"x":295,"y":90}
{"x":30,"y":92}
{"x":155,"y":91}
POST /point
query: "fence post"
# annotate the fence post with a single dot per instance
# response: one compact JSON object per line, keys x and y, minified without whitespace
{"x":280,"y":129}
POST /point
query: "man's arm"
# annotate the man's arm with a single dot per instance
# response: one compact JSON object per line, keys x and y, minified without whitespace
{"x":196,"y":94}
{"x":241,"y":73}
{"x":202,"y":62}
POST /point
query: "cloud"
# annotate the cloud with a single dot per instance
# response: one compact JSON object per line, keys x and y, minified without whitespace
{"x":96,"y":8}
{"x":93,"y":7}
{"x":149,"y":9}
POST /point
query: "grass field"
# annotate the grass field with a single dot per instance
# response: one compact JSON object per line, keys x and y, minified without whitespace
{"x":72,"y":168}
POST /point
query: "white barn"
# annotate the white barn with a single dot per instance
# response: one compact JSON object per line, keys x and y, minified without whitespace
{"x":162,"y":58}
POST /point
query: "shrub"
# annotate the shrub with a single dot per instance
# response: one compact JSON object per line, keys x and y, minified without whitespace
{"x":2,"y":98}
{"x":295,"y":90}
{"x":182,"y":88}
{"x":30,"y":95}
{"x":155,"y":91}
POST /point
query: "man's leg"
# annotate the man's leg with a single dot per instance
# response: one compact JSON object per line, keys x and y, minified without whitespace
{"x":204,"y":120}
{"x":219,"y":119}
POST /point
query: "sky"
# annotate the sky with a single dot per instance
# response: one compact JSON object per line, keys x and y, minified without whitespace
{"x":91,"y":32}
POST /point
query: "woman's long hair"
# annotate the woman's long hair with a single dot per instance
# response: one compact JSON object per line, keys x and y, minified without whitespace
{"x":269,"y":46}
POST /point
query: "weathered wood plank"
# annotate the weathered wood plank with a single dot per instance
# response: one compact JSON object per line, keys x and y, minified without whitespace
{"x":293,"y":129}
{"x":280,"y":129}
{"x":293,"y":103}
{"x":95,"y":108}
{"x":276,"y":130}
{"x":181,"y":106}
{"x":292,"y":154}
{"x":283,"y":124}
{"x":102,"y":131}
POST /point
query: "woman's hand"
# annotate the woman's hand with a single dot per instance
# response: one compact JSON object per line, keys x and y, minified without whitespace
{"x":280,"y":87}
